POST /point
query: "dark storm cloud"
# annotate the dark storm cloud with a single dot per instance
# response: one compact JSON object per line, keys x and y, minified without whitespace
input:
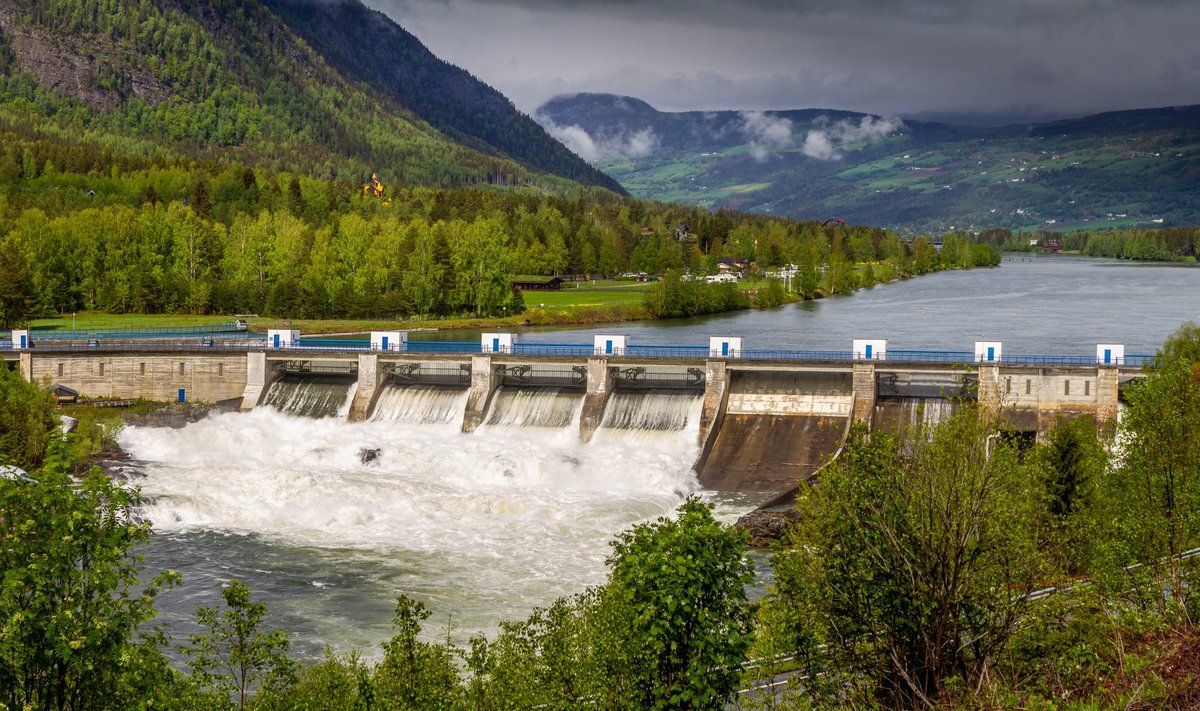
{"x":1007,"y":58}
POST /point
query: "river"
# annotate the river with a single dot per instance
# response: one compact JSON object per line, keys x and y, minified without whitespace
{"x":1034,"y":304}
{"x":483,"y":527}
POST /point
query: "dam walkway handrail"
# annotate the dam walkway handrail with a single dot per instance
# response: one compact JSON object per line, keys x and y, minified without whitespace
{"x":165,"y":332}
{"x":254,"y":342}
{"x":160,"y":345}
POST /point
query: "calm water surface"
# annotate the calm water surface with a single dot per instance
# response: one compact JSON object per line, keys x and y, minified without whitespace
{"x":1034,"y":304}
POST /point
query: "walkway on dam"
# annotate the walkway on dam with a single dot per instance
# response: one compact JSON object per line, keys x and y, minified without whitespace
{"x":174,"y":341}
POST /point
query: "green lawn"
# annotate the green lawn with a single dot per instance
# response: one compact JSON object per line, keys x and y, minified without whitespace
{"x":91,"y":321}
{"x":604,"y":294}
{"x":586,"y":304}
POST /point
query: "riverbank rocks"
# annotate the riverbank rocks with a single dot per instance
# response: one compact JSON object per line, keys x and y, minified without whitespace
{"x":175,"y":415}
{"x":766,"y":526}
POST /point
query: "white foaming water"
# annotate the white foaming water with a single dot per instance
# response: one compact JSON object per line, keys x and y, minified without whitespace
{"x":653,"y":410}
{"x":534,"y":407}
{"x":347,"y":402}
{"x":483,"y":526}
{"x":312,"y":395}
{"x":420,"y":404}
{"x":929,"y":412}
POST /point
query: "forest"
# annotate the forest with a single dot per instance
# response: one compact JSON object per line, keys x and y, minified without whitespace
{"x":1161,"y":244}
{"x":949,"y":566}
{"x":130,"y":237}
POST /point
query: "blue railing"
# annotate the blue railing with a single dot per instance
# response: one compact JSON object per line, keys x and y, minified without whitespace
{"x":320,"y":344}
{"x":256,"y":341}
{"x":190,"y":344}
{"x":668,"y":351}
{"x":442,"y":347}
{"x":139,"y":333}
{"x":922,"y":356}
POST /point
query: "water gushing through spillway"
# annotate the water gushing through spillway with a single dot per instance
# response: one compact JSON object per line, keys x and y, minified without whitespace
{"x":653,"y":410}
{"x":534,"y":407}
{"x":928,"y":412}
{"x":311,"y":395}
{"x":420,"y":404}
{"x":480,"y":526}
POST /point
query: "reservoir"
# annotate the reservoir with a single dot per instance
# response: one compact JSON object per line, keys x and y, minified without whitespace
{"x":484,"y":526}
{"x":1048,"y":304}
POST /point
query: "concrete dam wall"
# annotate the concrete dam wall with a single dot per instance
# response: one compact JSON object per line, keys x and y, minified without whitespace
{"x":206,"y":377}
{"x":777,"y":430}
{"x":760,"y":427}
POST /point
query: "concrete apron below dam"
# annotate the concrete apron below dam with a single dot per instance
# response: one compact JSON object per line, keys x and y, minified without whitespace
{"x":1029,"y":400}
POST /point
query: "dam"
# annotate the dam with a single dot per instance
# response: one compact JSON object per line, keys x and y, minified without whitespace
{"x":764,"y":420}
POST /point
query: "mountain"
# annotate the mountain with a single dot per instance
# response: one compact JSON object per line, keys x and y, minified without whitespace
{"x":1115,"y":169}
{"x":367,"y":46}
{"x":268,"y":83}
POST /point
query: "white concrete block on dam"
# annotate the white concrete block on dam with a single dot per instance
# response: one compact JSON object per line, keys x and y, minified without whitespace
{"x":1106,"y":353}
{"x":389,"y":340}
{"x":610,"y":345}
{"x":725,"y":346}
{"x":870,"y":349}
{"x":497,"y":342}
{"x":988,"y":351}
{"x":282,"y":337}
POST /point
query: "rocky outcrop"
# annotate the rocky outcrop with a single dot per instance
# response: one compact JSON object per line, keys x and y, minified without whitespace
{"x":766,"y":526}
{"x":87,"y":69}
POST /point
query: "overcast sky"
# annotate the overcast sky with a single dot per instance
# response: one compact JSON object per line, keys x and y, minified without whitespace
{"x":1007,"y":58}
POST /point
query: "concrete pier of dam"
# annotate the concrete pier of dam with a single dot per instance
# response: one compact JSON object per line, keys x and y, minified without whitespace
{"x":768,"y":420}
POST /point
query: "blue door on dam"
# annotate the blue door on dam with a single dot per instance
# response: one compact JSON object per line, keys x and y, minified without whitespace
{"x":868,"y":351}
{"x":608,"y":347}
{"x":276,"y":340}
{"x":1107,"y":356}
{"x":725,"y":348}
{"x":383,"y":342}
{"x":495,"y":345}
{"x":24,"y":341}
{"x":991,"y":353}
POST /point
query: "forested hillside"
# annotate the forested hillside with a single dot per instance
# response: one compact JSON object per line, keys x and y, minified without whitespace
{"x":366,"y":46}
{"x":1113,"y":170}
{"x":226,"y":81}
{"x":211,"y":239}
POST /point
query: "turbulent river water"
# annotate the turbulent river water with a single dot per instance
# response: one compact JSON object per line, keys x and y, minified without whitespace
{"x":485,"y":526}
{"x":479,"y":526}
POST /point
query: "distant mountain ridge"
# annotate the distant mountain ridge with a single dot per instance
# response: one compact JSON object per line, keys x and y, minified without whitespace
{"x":269,"y":83}
{"x":1113,"y":169}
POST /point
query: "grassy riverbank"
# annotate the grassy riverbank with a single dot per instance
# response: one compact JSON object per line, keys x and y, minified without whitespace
{"x":578,"y":303}
{"x":582,"y":303}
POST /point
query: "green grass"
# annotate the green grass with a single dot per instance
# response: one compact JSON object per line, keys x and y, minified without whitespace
{"x":604,"y":294}
{"x":747,"y":188}
{"x":92,"y":321}
{"x":606,"y":301}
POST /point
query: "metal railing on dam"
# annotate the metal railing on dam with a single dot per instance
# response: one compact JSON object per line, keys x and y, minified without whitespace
{"x":208,"y":340}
